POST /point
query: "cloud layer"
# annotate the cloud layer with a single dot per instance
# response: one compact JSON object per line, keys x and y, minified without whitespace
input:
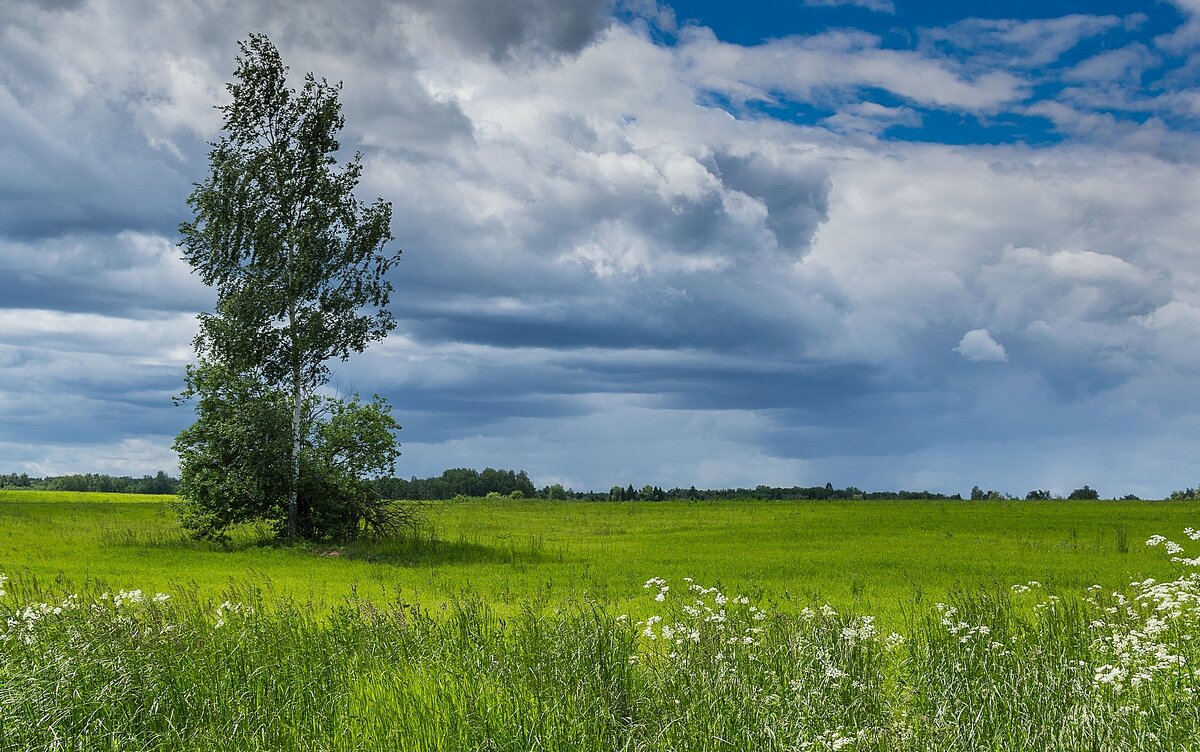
{"x":637,"y":252}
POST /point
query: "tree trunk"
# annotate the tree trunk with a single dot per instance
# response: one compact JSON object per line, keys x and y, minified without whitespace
{"x":293,"y":522}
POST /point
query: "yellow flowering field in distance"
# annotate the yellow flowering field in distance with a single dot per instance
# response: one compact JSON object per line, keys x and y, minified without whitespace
{"x":81,"y":496}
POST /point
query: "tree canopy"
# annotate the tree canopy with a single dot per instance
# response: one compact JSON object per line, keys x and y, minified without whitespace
{"x":298,"y":266}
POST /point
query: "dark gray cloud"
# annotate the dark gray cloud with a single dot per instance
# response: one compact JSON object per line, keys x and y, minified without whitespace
{"x":796,"y":196}
{"x":606,"y":276}
{"x":61,"y":183}
{"x":504,"y":28}
{"x":130,"y":273}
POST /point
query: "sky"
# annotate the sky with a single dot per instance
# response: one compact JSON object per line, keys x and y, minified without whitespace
{"x":883,"y":243}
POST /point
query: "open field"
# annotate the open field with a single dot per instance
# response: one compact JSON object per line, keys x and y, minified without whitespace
{"x":871,"y":556}
{"x":1005,"y":670}
{"x":566,"y":626}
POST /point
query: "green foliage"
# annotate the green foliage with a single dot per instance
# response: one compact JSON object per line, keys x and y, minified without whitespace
{"x":159,"y":483}
{"x":467,"y":482}
{"x":553,"y":491}
{"x":978,"y":494}
{"x":236,"y":464}
{"x":300,"y":277}
{"x":459,"y":481}
{"x":296,"y":260}
{"x":1084,"y":493}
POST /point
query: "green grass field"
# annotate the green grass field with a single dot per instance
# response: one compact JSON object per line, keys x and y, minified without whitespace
{"x":872,"y":556}
{"x":531,"y":625}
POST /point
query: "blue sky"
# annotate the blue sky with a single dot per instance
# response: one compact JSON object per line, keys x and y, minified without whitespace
{"x":883,"y":243}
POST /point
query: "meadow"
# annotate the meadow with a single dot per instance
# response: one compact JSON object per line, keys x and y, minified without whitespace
{"x":523,"y":624}
{"x":873,"y":556}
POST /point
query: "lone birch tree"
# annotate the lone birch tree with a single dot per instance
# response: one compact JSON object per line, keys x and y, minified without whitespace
{"x":300,"y":274}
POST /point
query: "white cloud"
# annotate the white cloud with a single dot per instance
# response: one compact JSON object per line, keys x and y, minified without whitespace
{"x":879,"y":6}
{"x":1015,"y":43}
{"x":1184,"y":39}
{"x":136,"y":457}
{"x":978,"y":346}
{"x":610,"y":243}
{"x":1125,"y":64}
{"x":834,"y":66}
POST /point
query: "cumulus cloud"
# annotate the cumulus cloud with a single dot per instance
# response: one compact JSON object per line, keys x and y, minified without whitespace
{"x":501,"y":29}
{"x":1185,"y":38}
{"x":623,"y":260}
{"x":978,"y":346}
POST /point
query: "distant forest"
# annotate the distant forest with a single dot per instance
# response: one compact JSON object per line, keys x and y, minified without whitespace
{"x":467,"y":482}
{"x":147,"y":484}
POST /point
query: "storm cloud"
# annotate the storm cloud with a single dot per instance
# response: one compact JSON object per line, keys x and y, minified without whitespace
{"x":639,"y":252}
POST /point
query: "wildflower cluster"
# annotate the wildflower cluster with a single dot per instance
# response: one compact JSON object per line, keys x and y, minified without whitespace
{"x":837,"y":653}
{"x":136,"y":597}
{"x":227,"y":610}
{"x":1147,"y":639}
{"x":22,"y":623}
{"x":1174,"y":550}
{"x":979,"y":635}
{"x":812,"y":680}
{"x":40,"y":621}
{"x":731,"y":625}
{"x":833,"y":741}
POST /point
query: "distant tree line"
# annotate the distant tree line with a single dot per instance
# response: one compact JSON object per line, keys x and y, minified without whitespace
{"x":459,"y":481}
{"x":516,"y":483}
{"x":462,"y":481}
{"x":772,"y":493}
{"x":467,"y":482}
{"x":1087,"y":493}
{"x":160,"y":483}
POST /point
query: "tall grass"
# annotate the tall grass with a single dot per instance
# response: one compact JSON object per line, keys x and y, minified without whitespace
{"x":1001,"y":669}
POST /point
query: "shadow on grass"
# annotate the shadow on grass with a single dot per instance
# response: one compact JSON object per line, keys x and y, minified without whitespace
{"x":424,"y":548}
{"x":420,"y":545}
